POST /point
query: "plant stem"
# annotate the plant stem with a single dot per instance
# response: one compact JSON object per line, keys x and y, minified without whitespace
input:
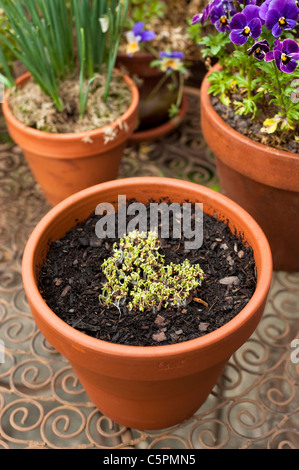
{"x":158,"y":86}
{"x":151,"y":50}
{"x":280,"y":95}
{"x":249,"y":80}
{"x":181,"y":88}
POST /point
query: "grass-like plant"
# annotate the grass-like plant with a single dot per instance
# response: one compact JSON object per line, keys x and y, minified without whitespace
{"x":138,"y":277}
{"x":55,"y":39}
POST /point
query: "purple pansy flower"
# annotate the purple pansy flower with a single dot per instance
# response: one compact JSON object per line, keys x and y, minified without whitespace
{"x":285,"y":54}
{"x":247,"y":2}
{"x":201,"y":17}
{"x":259,"y":49}
{"x":173,"y":55}
{"x":196,"y":18}
{"x":264,"y":9}
{"x":281,"y":14}
{"x":227,"y":5}
{"x":139,"y":31}
{"x":171,"y":60}
{"x":219,"y":18}
{"x":136,"y":36}
{"x":245,"y":24}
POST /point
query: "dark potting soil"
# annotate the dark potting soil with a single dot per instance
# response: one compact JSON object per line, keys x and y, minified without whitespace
{"x":251,"y":128}
{"x":71,"y":280}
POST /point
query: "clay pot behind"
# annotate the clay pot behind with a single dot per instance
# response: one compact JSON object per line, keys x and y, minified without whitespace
{"x":153,"y":111}
{"x":146,"y":387}
{"x":64,"y":164}
{"x":263,"y":180}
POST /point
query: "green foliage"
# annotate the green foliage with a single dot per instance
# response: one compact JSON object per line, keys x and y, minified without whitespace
{"x":6,"y":56}
{"x":256,"y":82}
{"x":213,"y":45}
{"x":41,"y":36}
{"x":236,"y":75}
{"x":143,"y":10}
{"x":138,"y":277}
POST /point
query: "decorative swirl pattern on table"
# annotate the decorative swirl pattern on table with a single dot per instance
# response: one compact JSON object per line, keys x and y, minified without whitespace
{"x":43,"y":405}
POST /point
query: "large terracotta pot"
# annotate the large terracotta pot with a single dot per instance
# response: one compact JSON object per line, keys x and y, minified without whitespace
{"x":263,"y":180}
{"x":64,"y":164}
{"x":146,"y":387}
{"x":152,"y":112}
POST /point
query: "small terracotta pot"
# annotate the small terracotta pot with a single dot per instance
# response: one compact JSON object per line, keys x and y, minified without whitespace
{"x":152,"y":112}
{"x":146,"y":387}
{"x":262,"y":179}
{"x":162,"y":130}
{"x":64,"y":164}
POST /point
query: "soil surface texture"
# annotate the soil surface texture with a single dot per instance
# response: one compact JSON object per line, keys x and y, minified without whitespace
{"x":71,"y":280}
{"x":251,"y":128}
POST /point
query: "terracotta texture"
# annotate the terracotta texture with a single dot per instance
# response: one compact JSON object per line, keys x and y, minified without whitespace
{"x":152,"y":112}
{"x":64,"y":164}
{"x":146,"y":387}
{"x":162,"y":130}
{"x":263,"y":180}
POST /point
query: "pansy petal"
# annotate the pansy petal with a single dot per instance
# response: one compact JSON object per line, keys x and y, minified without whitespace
{"x":251,"y":11}
{"x":138,"y":28}
{"x":278,"y":44}
{"x":196,"y":19}
{"x":294,"y":57}
{"x":238,"y":21}
{"x":272,"y":17}
{"x":265,"y":43}
{"x":291,"y":24}
{"x":276,"y":30}
{"x":259,"y":56}
{"x":216,"y":12}
{"x":205,"y":13}
{"x":174,"y":54}
{"x":269,"y":56}
{"x":177,"y":55}
{"x":237,"y":37}
{"x":290,"y":46}
{"x":277,"y":57}
{"x":255,"y":26}
{"x":130,"y":36}
{"x":264,"y":9}
{"x":289,"y":67}
{"x":290,"y":10}
{"x":147,"y":36}
{"x":221,"y":27}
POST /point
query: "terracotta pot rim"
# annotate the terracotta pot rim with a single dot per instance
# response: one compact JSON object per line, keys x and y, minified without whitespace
{"x":263,"y":282}
{"x":138,"y":55}
{"x":35,"y":133}
{"x":237,"y":135}
{"x":163,"y":129}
